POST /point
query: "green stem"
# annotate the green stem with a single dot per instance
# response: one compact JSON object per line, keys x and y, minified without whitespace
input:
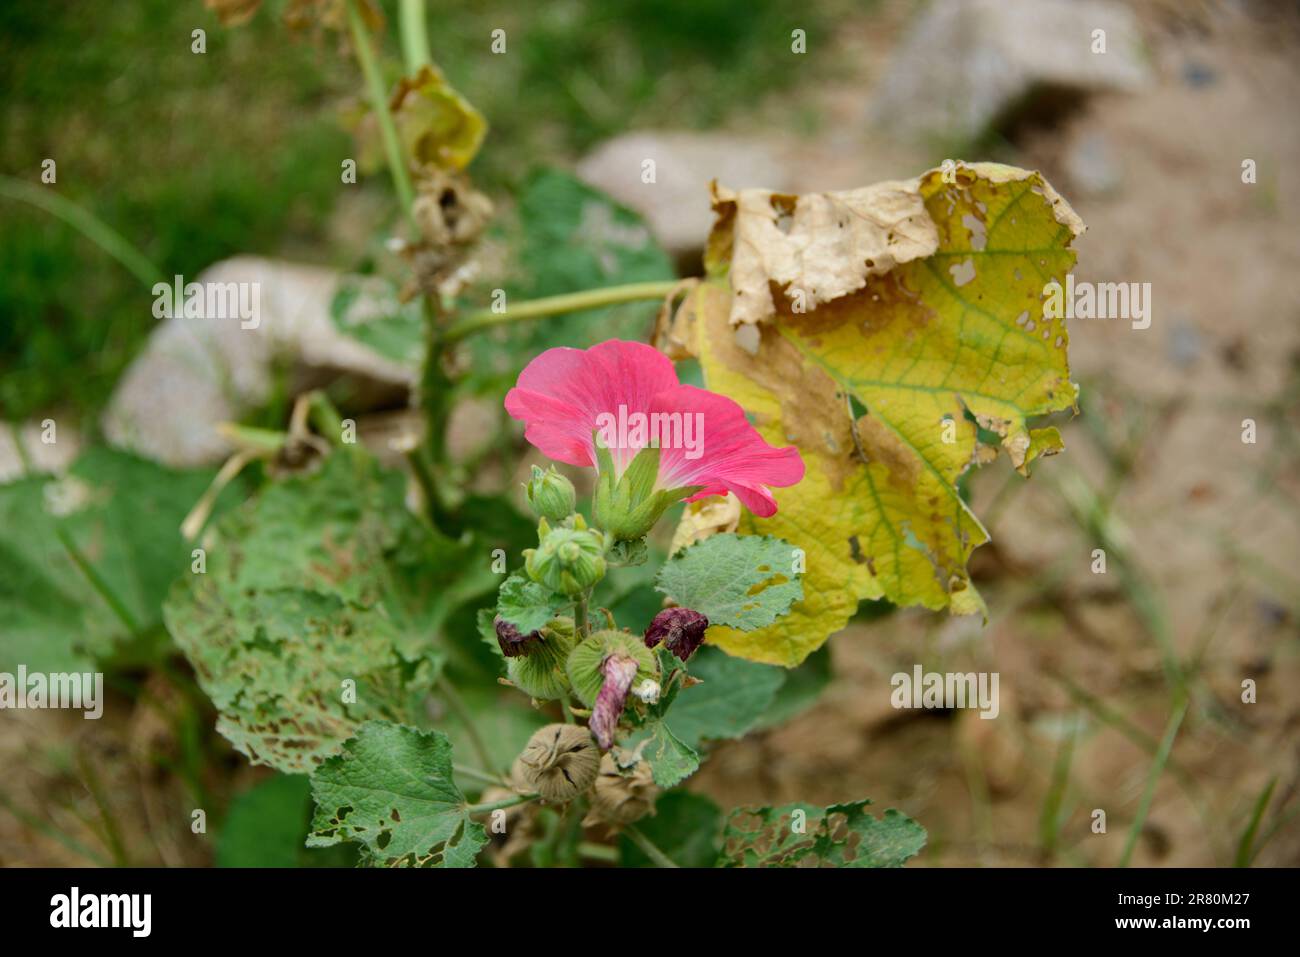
{"x":555,"y":305}
{"x":1153,"y":777}
{"x":499,"y":805}
{"x":97,"y":582}
{"x":474,"y":774}
{"x":598,"y":852}
{"x":648,"y":847}
{"x":580,"y":626}
{"x":86,"y":223}
{"x":457,"y":705}
{"x":414,"y":34}
{"x":379,"y":104}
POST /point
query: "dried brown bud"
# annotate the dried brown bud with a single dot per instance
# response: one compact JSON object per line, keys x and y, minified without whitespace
{"x":623,"y":794}
{"x":559,"y":762}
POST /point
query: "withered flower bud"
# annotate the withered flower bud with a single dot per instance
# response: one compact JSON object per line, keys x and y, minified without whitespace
{"x":619,"y":670}
{"x":623,"y":794}
{"x":514,"y":643}
{"x":680,"y":629}
{"x":559,"y":762}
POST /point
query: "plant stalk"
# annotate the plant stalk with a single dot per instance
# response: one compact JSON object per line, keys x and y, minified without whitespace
{"x":379,"y":103}
{"x":648,"y":847}
{"x":556,"y":305}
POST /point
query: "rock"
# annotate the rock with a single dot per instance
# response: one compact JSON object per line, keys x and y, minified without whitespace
{"x":676,"y":203}
{"x":966,"y":64}
{"x":52,"y":457}
{"x":197,"y":372}
{"x":1090,"y":164}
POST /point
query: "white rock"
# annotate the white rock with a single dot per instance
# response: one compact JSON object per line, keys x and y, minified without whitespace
{"x":195,"y":373}
{"x":964,"y":63}
{"x":676,"y":203}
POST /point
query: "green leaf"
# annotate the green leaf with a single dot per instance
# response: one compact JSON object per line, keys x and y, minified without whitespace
{"x":526,"y":604}
{"x":739,"y":581}
{"x":802,"y":835}
{"x":671,"y":760}
{"x":732,"y":697}
{"x":391,"y":790}
{"x":684,"y":826}
{"x":322,"y":586}
{"x":266,"y":825}
{"x":802,"y":687}
{"x":369,"y":310}
{"x":79,"y":554}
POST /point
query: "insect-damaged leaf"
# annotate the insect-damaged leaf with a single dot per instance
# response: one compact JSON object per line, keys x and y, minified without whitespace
{"x":803,"y":835}
{"x":317,"y":612}
{"x":391,"y":790}
{"x":885,"y":388}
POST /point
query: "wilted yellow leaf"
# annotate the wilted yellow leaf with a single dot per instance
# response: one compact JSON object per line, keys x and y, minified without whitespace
{"x":436,"y":124}
{"x":881,"y":387}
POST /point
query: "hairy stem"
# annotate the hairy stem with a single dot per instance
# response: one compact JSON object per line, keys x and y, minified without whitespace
{"x":556,"y":305}
{"x":379,"y":103}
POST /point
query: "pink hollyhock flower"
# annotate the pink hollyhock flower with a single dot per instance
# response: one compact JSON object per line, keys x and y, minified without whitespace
{"x":619,"y":407}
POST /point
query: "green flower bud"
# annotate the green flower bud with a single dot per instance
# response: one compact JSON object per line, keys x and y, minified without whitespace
{"x":586,"y":662}
{"x":541,"y":673}
{"x":550,"y":494}
{"x":566,"y":560}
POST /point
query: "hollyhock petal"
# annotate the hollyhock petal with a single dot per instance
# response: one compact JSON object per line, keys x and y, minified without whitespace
{"x":619,"y":671}
{"x":729,"y":455}
{"x":562,"y":392}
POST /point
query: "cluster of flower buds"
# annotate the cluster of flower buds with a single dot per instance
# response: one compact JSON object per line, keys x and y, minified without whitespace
{"x":568,"y":559}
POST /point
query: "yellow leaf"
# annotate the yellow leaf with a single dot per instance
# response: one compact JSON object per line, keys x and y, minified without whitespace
{"x":882,"y":387}
{"x":435,"y":123}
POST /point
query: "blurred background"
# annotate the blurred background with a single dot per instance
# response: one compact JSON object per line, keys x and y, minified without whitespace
{"x":195,"y":159}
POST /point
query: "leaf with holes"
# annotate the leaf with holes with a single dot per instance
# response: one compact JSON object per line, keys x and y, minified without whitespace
{"x":391,"y":790}
{"x":886,"y":355}
{"x":317,"y":612}
{"x":803,"y":835}
{"x":741,"y":581}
